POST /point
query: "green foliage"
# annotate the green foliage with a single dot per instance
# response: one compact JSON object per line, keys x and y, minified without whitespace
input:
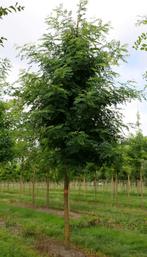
{"x":137,"y":153}
{"x":6,"y":142}
{"x":4,"y":11}
{"x":12,"y":8}
{"x":141,"y":42}
{"x":4,"y":70}
{"x":6,"y":152}
{"x":73,"y":98}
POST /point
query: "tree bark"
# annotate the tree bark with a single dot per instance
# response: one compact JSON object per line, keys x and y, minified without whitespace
{"x":85,"y":186}
{"x":141,"y":187}
{"x":95,"y":188}
{"x":47,"y":190}
{"x":66,"y":212}
{"x":129,"y":185}
{"x":116,"y":189}
{"x":33,"y":189}
{"x":113,"y":189}
{"x":21,"y":184}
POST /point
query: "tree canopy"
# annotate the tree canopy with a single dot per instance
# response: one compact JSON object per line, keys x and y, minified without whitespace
{"x":74,"y":96}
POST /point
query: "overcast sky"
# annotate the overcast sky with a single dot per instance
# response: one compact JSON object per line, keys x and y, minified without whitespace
{"x":28,"y":26}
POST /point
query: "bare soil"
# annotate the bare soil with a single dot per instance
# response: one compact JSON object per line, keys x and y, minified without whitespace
{"x":2,"y":223}
{"x":56,"y":248}
{"x":73,"y":215}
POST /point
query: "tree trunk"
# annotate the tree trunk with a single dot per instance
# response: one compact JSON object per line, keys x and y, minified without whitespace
{"x":21,"y":184}
{"x":66,"y":212}
{"x":116,"y":189}
{"x":33,"y":189}
{"x":8,"y":186}
{"x":95,"y":188}
{"x":138,"y":186}
{"x":128,"y":186}
{"x":113,"y":189}
{"x":85,"y":186}
{"x":141,"y":187}
{"x":141,"y":184}
{"x":47,"y":190}
{"x":79,"y":187}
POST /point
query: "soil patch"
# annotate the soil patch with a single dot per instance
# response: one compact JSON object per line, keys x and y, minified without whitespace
{"x":2,"y":223}
{"x":56,"y":248}
{"x":73,"y":215}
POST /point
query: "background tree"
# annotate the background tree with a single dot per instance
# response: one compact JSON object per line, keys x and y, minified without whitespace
{"x":6,"y":152}
{"x":5,"y":138}
{"x":137,"y":153}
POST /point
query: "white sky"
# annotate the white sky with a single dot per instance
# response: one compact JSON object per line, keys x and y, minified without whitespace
{"x":28,"y":26}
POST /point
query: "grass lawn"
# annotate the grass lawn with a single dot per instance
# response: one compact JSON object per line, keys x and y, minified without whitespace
{"x":101,"y":228}
{"x":12,"y":245}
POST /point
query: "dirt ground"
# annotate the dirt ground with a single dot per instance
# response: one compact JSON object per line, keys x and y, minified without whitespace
{"x":57,"y":249}
{"x":73,"y":215}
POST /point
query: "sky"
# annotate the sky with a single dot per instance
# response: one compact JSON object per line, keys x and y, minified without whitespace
{"x":28,"y":26}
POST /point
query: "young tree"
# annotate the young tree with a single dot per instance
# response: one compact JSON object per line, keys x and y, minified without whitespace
{"x":5,"y":138}
{"x":6,"y":152}
{"x":137,"y":153}
{"x":73,"y":98}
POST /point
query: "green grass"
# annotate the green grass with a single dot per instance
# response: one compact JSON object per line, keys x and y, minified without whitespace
{"x":103,"y":228}
{"x":14,"y":246}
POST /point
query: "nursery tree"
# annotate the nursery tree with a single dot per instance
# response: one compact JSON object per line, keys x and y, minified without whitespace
{"x":6,"y":152}
{"x":73,"y":97}
{"x":138,"y":154}
{"x":5,"y":139}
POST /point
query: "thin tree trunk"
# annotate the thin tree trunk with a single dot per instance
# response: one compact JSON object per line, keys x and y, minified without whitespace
{"x":33,"y":189}
{"x":30,"y":188}
{"x":66,"y":212}
{"x":85,"y":186}
{"x":47,"y":190}
{"x":95,"y":189}
{"x":116,"y":189}
{"x":79,"y":188}
{"x":113,"y":189}
{"x":138,"y":186}
{"x":141,"y":184}
{"x":141,"y":187}
{"x":128,"y":186}
{"x":8,"y":186}
{"x":21,"y":184}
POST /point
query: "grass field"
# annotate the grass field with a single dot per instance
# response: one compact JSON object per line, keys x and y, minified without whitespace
{"x":97,"y":224}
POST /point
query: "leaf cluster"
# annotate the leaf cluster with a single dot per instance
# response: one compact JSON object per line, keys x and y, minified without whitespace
{"x":4,"y":11}
{"x":73,"y":98}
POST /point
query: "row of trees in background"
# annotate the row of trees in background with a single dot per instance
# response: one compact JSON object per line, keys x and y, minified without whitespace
{"x":127,"y":160}
{"x":65,"y":120}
